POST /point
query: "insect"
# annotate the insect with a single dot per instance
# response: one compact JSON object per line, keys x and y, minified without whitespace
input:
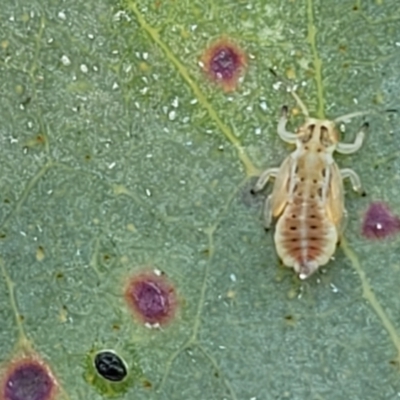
{"x":308,"y":197}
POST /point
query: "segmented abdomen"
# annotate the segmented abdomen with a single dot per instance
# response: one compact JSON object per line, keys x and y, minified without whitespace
{"x":304,"y":235}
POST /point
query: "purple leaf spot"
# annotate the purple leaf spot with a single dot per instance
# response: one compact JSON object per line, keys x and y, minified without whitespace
{"x":151,"y":297}
{"x":151,"y":300}
{"x":29,"y":381}
{"x":224,"y":63}
{"x":380,"y":222}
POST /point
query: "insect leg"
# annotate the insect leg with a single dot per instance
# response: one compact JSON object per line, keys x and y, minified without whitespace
{"x":264,"y":178}
{"x":348,"y":117}
{"x":348,"y":148}
{"x":343,"y":224}
{"x":286,"y":136}
{"x":354,"y":179}
{"x":267,"y":213}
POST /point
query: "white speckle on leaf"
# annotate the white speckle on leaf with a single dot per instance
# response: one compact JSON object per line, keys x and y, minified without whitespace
{"x":115,"y":86}
{"x":185,"y":120}
{"x":62,"y":15}
{"x":90,"y":36}
{"x":112,"y":165}
{"x":249,"y":108}
{"x":95,"y":68}
{"x":121,"y":14}
{"x":50,"y":41}
{"x":334,"y":288}
{"x":152,"y":326}
{"x":84,"y":68}
{"x":175,"y":102}
{"x":137,"y":105}
{"x":144,"y":90}
{"x":148,"y":192}
{"x":65,"y":60}
{"x":13,"y":140}
{"x":149,"y":155}
{"x":194,"y":101}
{"x":182,"y":182}
{"x":193,"y":27}
{"x":30,"y":124}
{"x":157,"y":272}
{"x":355,"y":101}
{"x":201,"y":64}
{"x":257,"y":131}
{"x":172,"y":115}
{"x":263,"y":106}
{"x":145,"y":56}
{"x":232,"y":277}
{"x":22,"y":233}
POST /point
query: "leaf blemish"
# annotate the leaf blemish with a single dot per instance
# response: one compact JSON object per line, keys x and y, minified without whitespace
{"x":28,"y":378}
{"x":151,"y":298}
{"x":380,"y":222}
{"x":224,"y":63}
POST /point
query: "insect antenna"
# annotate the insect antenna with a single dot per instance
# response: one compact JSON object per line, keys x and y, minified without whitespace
{"x":348,"y":117}
{"x":299,"y":102}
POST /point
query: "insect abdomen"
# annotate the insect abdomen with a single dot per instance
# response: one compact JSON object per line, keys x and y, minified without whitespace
{"x":305,"y":238}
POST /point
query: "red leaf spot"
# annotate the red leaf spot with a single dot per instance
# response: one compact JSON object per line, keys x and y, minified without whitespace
{"x":224,"y":62}
{"x":151,"y":297}
{"x":380,"y":222}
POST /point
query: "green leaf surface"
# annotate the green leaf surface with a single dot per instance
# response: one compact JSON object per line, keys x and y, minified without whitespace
{"x":117,"y":154}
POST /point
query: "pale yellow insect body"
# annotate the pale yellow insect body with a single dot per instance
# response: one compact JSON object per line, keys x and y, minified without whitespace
{"x":307,"y":197}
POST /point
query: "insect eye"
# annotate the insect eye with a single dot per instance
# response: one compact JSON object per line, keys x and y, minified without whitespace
{"x":307,"y":132}
{"x":325,"y":137}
